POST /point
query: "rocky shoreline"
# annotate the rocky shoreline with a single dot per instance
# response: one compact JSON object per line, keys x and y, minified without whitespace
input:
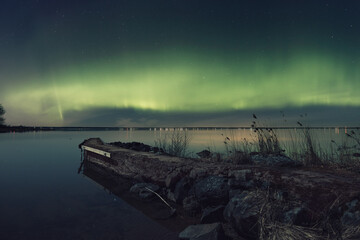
{"x":270,"y":198}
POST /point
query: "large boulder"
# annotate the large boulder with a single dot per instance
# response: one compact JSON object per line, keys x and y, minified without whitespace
{"x":142,"y":190}
{"x":213,"y":214}
{"x":182,"y":189}
{"x":242,"y":212}
{"x":241,"y":179}
{"x":191,"y":206}
{"x":204,"y":154}
{"x":212,"y":231}
{"x":172,"y":179}
{"x":170,"y":195}
{"x":274,"y":160}
{"x":241,"y":175}
{"x":233,"y":192}
{"x":351,"y":216}
{"x":244,"y":185}
{"x":197,"y":173}
{"x":212,"y":190}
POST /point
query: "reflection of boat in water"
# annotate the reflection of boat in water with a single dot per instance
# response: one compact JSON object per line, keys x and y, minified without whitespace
{"x":119,"y":186}
{"x":148,"y":181}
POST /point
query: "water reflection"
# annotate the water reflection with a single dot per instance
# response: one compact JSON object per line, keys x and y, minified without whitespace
{"x":154,"y":208}
{"x":43,"y":197}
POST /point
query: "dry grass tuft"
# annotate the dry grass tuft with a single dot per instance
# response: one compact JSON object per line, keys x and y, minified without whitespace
{"x":351,"y":232}
{"x":267,"y":140}
{"x":272,"y":226}
{"x":237,"y":149}
{"x":273,"y":222}
{"x":288,"y":232}
{"x":175,"y":143}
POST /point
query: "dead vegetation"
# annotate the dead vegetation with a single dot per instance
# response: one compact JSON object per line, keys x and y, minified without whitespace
{"x":302,"y":146}
{"x":271,"y":224}
{"x":175,"y":143}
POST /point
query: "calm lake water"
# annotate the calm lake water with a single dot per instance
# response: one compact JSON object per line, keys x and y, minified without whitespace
{"x":43,"y":197}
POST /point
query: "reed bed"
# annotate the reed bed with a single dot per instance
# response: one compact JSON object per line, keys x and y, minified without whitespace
{"x":301,"y":144}
{"x":175,"y":143}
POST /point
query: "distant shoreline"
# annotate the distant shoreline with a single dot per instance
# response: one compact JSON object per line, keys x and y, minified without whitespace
{"x":7,"y":129}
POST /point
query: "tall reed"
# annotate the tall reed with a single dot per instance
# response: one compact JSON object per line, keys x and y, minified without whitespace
{"x":238,"y":148}
{"x":175,"y":143}
{"x":267,"y":140}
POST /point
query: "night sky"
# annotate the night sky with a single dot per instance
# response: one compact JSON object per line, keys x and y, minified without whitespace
{"x":179,"y":62}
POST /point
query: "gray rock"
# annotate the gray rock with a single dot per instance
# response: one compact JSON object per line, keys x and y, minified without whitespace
{"x":138,"y":178}
{"x":233,"y":192}
{"x":280,"y":195}
{"x":142,"y":192}
{"x":182,"y":189}
{"x":245,"y":185}
{"x":146,"y":194}
{"x":241,"y":175}
{"x":212,"y":215}
{"x":196,"y":173}
{"x":241,"y":179}
{"x":172,"y":179}
{"x":274,"y":160}
{"x":351,"y":216}
{"x":212,"y":231}
{"x":242,"y":212}
{"x":170,"y":196}
{"x":191,"y":206}
{"x":216,"y":157}
{"x":265,"y":185}
{"x":212,"y":190}
{"x":204,"y":154}
{"x":136,"y":188}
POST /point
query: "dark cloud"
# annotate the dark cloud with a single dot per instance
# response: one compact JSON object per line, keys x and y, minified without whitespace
{"x":311,"y":116}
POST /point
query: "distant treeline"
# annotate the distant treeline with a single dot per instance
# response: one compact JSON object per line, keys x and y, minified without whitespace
{"x":4,"y":129}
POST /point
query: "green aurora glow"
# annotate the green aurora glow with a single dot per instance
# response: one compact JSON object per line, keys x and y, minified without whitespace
{"x":186,"y":57}
{"x":191,"y":83}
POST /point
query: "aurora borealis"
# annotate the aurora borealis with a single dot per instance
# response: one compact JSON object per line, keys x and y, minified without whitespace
{"x":62,"y":63}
